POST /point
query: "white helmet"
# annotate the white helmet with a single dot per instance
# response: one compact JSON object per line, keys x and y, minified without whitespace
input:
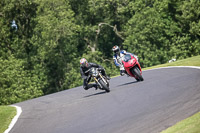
{"x":84,"y":62}
{"x":115,"y":49}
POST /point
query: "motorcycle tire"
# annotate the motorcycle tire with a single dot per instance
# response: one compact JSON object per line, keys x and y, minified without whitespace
{"x":105,"y":87}
{"x":137,"y":73}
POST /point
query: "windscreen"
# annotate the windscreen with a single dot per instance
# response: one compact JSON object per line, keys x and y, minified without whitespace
{"x":127,"y":57}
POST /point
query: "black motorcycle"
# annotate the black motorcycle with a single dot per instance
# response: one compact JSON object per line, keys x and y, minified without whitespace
{"x":100,"y":80}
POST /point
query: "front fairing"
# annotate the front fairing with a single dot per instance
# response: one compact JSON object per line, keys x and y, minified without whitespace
{"x":94,"y":72}
{"x":129,"y":62}
{"x":97,"y":75}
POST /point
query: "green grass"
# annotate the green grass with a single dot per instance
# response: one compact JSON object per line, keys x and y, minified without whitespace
{"x":189,"y":125}
{"x":7,"y":113}
{"x":192,"y":61}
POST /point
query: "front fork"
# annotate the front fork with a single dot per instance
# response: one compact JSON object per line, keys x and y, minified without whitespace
{"x":98,"y":81}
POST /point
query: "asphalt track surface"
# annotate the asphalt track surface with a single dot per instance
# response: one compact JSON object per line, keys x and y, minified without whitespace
{"x":165,"y":97}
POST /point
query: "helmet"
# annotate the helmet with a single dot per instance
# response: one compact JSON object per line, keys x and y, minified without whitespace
{"x":115,"y":49}
{"x":84,"y":62}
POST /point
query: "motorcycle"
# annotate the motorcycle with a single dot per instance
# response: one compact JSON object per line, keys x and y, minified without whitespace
{"x":100,"y":80}
{"x":132,"y":67}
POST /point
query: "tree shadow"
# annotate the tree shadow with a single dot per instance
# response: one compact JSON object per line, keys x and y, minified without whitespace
{"x":99,"y":93}
{"x":128,"y":83}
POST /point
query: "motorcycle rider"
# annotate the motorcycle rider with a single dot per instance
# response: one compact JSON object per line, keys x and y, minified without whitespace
{"x":117,"y":57}
{"x":85,"y":65}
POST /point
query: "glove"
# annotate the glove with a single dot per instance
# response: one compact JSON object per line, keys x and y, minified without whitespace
{"x":123,"y":52}
{"x":136,"y":57}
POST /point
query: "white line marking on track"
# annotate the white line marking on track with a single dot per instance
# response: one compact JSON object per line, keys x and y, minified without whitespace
{"x":14,"y":120}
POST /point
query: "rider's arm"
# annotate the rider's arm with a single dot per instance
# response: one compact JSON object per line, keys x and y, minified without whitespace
{"x":96,"y":65}
{"x":115,"y":61}
{"x":82,"y":74}
{"x":130,"y":53}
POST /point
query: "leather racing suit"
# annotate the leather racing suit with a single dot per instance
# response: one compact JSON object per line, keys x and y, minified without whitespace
{"x":86,"y":77}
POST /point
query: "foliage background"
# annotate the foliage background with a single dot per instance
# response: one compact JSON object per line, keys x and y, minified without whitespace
{"x":42,"y":41}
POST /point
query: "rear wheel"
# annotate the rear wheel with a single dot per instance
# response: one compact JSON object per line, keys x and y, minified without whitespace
{"x":137,"y":74}
{"x":105,"y":87}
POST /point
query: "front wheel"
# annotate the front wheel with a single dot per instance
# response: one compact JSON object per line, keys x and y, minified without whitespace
{"x":137,"y":74}
{"x":104,"y":86}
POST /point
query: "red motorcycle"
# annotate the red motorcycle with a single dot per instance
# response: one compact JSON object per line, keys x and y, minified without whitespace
{"x":132,"y":67}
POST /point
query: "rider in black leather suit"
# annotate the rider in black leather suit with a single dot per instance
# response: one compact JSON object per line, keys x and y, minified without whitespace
{"x":86,"y":77}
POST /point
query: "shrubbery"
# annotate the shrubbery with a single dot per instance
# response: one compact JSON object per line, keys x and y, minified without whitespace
{"x":40,"y":54}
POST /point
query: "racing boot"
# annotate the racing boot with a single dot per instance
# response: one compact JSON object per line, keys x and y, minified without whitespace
{"x":95,"y":86}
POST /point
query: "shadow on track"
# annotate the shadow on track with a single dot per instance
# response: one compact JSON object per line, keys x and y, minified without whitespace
{"x":128,"y":83}
{"x":99,"y":93}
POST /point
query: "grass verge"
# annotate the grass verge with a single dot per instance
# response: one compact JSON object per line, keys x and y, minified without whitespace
{"x":7,"y":113}
{"x":189,"y":125}
{"x":192,"y":61}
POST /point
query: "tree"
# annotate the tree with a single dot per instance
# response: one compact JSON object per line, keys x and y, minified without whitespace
{"x":20,"y":78}
{"x":55,"y":37}
{"x":42,"y":41}
{"x":17,"y":84}
{"x":188,"y":16}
